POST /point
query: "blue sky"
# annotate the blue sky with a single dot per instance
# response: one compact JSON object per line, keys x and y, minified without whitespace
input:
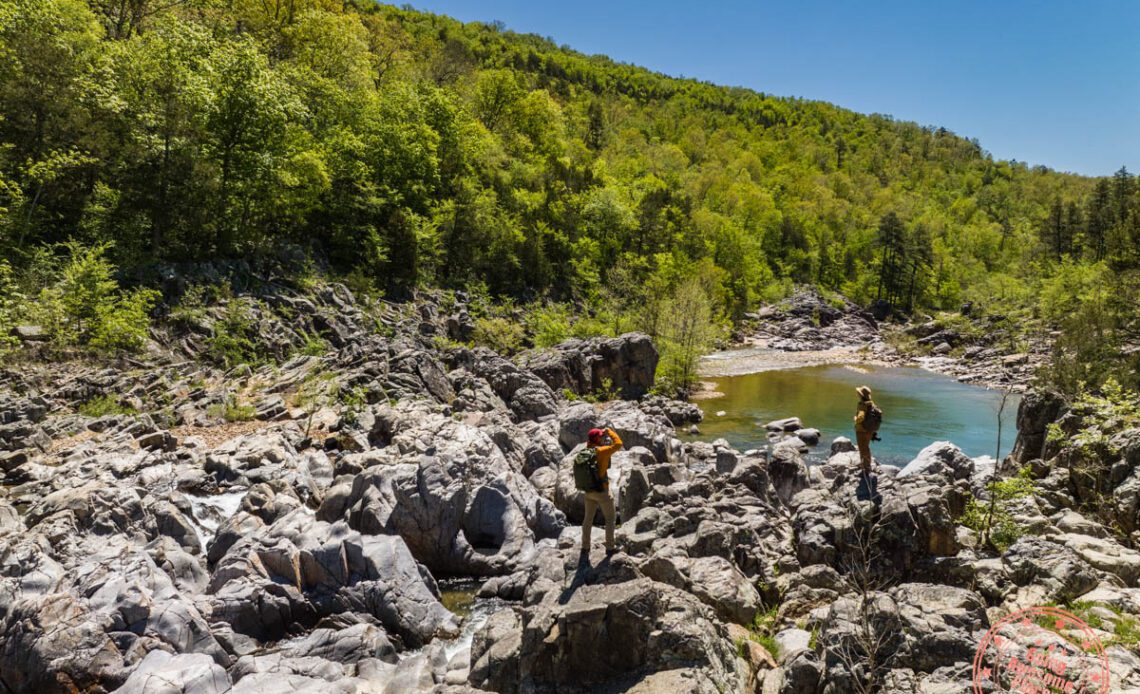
{"x":1047,"y":82}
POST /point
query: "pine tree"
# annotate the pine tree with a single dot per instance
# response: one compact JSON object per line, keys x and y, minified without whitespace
{"x":1099,"y":219}
{"x":596,"y":126}
{"x":921,"y":257}
{"x":1053,"y":232}
{"x":1074,"y":230}
{"x":892,"y":240}
{"x":1122,"y":186}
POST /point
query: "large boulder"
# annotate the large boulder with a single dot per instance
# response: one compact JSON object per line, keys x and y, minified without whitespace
{"x":711,"y":515}
{"x":603,"y":635}
{"x":941,"y":625}
{"x":575,"y":422}
{"x":353,"y":643}
{"x":717,"y":582}
{"x":1036,"y":411}
{"x":907,"y":520}
{"x":124,"y":584}
{"x":625,"y":364}
{"x":301,"y":569}
{"x":527,"y":396}
{"x":788,"y":472}
{"x":10,"y":521}
{"x":940,"y":458}
{"x":639,"y":428}
{"x":447,"y":488}
{"x":1105,"y":554}
{"x":37,"y":655}
{"x":917,"y":626}
{"x":163,"y":673}
{"x":1056,"y":570}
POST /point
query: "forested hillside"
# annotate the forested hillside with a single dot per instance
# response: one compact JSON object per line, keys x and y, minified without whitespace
{"x":406,"y":149}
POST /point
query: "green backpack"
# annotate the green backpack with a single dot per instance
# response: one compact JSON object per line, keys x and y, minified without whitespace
{"x":586,"y":476}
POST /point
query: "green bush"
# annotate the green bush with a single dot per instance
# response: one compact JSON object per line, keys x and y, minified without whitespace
{"x":1126,"y":631}
{"x":87,"y":291}
{"x":10,"y":301}
{"x":354,"y":400}
{"x":362,"y":284}
{"x":103,"y":406}
{"x":1002,"y":529}
{"x":503,"y":335}
{"x":549,"y":325}
{"x":191,"y":307}
{"x":80,"y":303}
{"x":314,"y":346}
{"x":1125,"y":628}
{"x":233,"y":340}
{"x":762,"y":628}
{"x":607,"y":392}
{"x":999,"y":527}
{"x":689,"y":328}
{"x":604,"y":323}
{"x":122,"y":324}
{"x":231,"y":411}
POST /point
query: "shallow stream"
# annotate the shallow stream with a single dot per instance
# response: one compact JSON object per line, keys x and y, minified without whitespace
{"x":458,"y":595}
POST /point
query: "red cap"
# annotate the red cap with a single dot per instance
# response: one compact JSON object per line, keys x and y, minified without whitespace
{"x":595,"y":435}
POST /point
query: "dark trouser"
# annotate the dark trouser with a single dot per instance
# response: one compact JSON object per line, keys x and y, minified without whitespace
{"x":863,"y":439}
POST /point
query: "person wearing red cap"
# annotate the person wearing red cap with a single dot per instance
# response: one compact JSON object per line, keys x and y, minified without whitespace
{"x":596,"y":439}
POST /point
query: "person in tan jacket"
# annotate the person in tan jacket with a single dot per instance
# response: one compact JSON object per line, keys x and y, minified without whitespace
{"x":597,"y":439}
{"x":862,"y":435}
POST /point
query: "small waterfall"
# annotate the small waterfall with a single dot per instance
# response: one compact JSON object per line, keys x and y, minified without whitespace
{"x":213,"y":510}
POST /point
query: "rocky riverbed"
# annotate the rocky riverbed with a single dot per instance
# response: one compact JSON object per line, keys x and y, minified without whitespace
{"x":289,"y":527}
{"x":809,"y":330}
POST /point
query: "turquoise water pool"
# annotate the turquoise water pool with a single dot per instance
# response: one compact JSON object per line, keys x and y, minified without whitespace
{"x":919,"y":407}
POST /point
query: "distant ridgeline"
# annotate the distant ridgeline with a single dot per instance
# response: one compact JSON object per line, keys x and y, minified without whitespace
{"x":407,"y":149}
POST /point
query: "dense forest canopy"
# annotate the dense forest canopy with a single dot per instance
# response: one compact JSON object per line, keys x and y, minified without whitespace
{"x":409,"y":149}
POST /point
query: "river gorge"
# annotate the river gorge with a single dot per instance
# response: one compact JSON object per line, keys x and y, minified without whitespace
{"x":398,"y":514}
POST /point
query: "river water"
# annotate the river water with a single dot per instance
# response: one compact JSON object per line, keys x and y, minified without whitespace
{"x":919,"y":407}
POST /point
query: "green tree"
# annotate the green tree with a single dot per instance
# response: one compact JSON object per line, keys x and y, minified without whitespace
{"x":1100,"y":219}
{"x":688,"y":331}
{"x":497,"y":94}
{"x":249,"y":141}
{"x":893,"y":262}
{"x":1122,"y":189}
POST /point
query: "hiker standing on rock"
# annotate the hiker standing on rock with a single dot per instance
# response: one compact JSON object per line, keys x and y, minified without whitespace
{"x":867,"y":420}
{"x":603,"y":443}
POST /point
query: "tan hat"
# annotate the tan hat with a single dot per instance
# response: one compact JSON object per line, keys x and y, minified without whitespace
{"x":864,"y":392}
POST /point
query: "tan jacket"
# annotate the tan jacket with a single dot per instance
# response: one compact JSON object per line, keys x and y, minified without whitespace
{"x":861,"y":414}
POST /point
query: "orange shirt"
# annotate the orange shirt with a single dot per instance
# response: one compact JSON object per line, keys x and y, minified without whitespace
{"x":604,"y":455}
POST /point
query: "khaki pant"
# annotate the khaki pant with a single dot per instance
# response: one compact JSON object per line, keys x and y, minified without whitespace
{"x":863,"y":439}
{"x":593,"y":501}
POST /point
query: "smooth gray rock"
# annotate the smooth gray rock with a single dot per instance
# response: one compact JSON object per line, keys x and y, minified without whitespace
{"x":940,"y":458}
{"x":302,"y":569}
{"x":808,"y":436}
{"x":635,"y":627}
{"x":163,"y":673}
